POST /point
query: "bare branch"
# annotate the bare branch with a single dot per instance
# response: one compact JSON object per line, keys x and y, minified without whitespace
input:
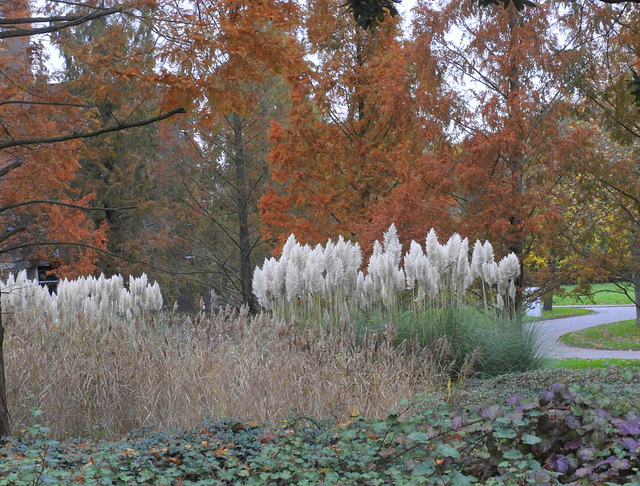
{"x":60,"y":203}
{"x":14,"y":165}
{"x":71,"y":22}
{"x":45,"y":103}
{"x":8,"y":234}
{"x":76,"y":136}
{"x":99,"y":250}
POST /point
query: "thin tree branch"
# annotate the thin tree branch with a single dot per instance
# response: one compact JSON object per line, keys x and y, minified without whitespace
{"x":73,"y":21}
{"x":8,"y":234}
{"x":60,"y":203}
{"x":75,"y":136}
{"x":99,"y":250}
{"x":45,"y":103}
{"x":14,"y":165}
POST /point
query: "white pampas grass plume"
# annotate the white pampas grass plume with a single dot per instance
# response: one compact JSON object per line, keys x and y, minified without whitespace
{"x":508,"y":270}
{"x":477,"y":259}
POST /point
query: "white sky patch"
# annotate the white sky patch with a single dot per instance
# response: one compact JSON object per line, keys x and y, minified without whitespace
{"x":404,"y":9}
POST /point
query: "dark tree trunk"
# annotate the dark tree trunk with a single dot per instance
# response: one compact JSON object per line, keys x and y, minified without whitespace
{"x":635,"y":265}
{"x":242,"y":201}
{"x":547,"y":298}
{"x":547,"y":301}
{"x":5,"y":423}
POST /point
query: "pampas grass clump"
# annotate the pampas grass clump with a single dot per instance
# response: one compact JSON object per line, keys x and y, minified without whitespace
{"x":310,"y":280}
{"x":84,"y":299}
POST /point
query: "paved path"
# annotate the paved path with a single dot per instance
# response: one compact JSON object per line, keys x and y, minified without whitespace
{"x":553,"y":329}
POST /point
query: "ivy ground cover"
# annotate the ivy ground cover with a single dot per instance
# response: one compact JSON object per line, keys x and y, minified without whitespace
{"x":561,"y":435}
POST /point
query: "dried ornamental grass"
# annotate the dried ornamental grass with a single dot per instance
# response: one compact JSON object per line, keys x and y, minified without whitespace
{"x":106,"y":378}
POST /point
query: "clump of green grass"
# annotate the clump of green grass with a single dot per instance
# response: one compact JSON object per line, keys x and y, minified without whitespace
{"x":615,"y":335}
{"x":487,"y":345}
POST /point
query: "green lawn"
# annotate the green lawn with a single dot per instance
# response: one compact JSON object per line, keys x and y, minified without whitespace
{"x":582,"y":364}
{"x":616,"y":335}
{"x":601,"y":294}
{"x":559,"y":312}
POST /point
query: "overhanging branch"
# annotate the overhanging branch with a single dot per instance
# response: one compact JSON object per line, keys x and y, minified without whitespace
{"x":87,"y":246}
{"x":60,"y":203}
{"x":76,"y":136}
{"x":65,"y":23}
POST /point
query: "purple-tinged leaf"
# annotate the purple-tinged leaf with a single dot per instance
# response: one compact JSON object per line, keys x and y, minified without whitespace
{"x":561,"y":391}
{"x":586,"y":454}
{"x":630,"y":427}
{"x":619,"y":464}
{"x":573,"y":444}
{"x":558,"y":463}
{"x":538,"y":477}
{"x":545,"y":397}
{"x":572,"y":422}
{"x":614,"y":462}
{"x":515,"y":400}
{"x":457,"y":422}
{"x":490,"y":413}
{"x":583,"y":471}
{"x":530,"y":405}
{"x":631,"y":445}
{"x":544,"y":446}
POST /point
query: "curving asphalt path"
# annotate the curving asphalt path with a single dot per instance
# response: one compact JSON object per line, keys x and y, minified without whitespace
{"x":552,"y":330}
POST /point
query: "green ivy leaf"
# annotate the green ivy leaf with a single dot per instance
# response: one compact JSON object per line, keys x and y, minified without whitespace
{"x":35,"y":412}
{"x":512,"y":454}
{"x":504,"y":434}
{"x":424,"y":468}
{"x":418,"y":437}
{"x":446,"y":450}
{"x":530,"y":439}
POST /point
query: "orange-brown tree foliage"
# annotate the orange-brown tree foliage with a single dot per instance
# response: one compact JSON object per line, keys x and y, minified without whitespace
{"x":468,"y":127}
{"x":518,"y":146}
{"x":609,"y":245}
{"x":348,"y":161}
{"x":31,"y":108}
{"x":45,"y":122}
{"x":227,"y":62}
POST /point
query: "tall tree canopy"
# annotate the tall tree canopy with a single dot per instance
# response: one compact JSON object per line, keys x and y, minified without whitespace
{"x":513,"y":112}
{"x":231,"y":61}
{"x":354,"y":131}
{"x":45,"y":123}
{"x":43,"y":126}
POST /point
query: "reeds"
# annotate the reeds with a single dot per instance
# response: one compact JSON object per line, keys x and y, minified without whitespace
{"x":100,"y":379}
{"x":86,"y":298}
